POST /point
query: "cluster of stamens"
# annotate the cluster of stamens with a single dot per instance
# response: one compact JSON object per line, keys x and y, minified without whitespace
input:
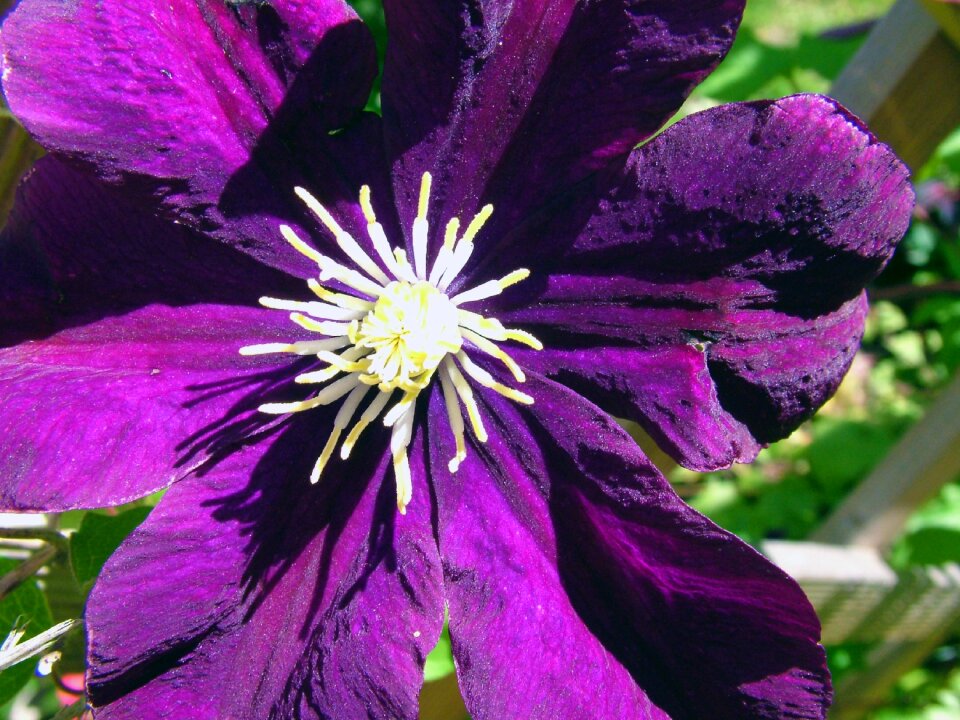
{"x":393,"y":330}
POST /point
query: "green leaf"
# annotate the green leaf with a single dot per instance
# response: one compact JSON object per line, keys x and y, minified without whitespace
{"x":440,"y":660}
{"x":99,"y":535}
{"x":26,"y":607}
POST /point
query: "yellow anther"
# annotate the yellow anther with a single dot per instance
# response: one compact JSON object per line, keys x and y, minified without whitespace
{"x":401,"y":470}
{"x":320,"y":211}
{"x":299,"y":245}
{"x":456,"y":421}
{"x":340,"y":299}
{"x":523,"y":338}
{"x":491,"y":349}
{"x":465,"y":392}
{"x":477,"y":223}
{"x":368,"y":416}
{"x":334,"y":329}
{"x":450,"y":234}
{"x":486,"y":379}
{"x":513,"y":278}
{"x":325,"y":455}
{"x":400,"y":255}
{"x":425,"y":182}
{"x":366,"y":205}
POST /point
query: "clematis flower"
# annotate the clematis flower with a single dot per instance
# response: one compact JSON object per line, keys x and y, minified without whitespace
{"x":227,"y":279}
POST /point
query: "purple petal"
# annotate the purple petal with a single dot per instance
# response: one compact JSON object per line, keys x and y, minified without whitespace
{"x":193,"y":95}
{"x":720,"y":278}
{"x":570,"y":565}
{"x":508,"y":102}
{"x":107,"y":412}
{"x":262,"y":596}
{"x":119,"y":339}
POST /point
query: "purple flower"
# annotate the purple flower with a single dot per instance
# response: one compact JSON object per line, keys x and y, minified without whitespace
{"x":708,"y":285}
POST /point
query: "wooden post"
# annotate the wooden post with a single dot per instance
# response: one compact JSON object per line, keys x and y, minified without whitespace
{"x":924,"y":460}
{"x":904,"y":80}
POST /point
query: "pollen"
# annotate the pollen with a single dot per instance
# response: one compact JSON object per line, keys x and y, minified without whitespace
{"x":389,"y":329}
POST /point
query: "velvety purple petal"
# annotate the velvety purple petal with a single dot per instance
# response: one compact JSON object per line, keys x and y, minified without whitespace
{"x":507,"y":102}
{"x":104,"y":413}
{"x":580,"y":585}
{"x":719,"y":278}
{"x":119,"y":339}
{"x":259,"y":595}
{"x":176,"y":100}
{"x":74,"y":250}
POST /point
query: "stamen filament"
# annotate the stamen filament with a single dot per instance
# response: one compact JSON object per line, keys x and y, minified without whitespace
{"x":456,"y":421}
{"x":334,"y":329}
{"x":340,"y":423}
{"x":491,"y":349}
{"x":338,"y":364}
{"x":421,"y":227}
{"x":314,"y":309}
{"x":330,"y":268}
{"x":446,"y":251}
{"x":344,"y":239}
{"x":397,"y":411}
{"x":333,"y":391}
{"x":486,"y":379}
{"x":399,"y":440}
{"x":368,"y":416}
{"x":460,"y":257}
{"x":490,"y":288}
{"x":339,"y":299}
{"x":488,"y":327}
{"x":406,"y":270}
{"x":299,"y":245}
{"x":465,"y":392}
{"x":401,"y":471}
{"x":308,"y":347}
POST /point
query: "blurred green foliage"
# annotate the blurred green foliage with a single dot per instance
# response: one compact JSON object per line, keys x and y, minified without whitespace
{"x":25,"y":607}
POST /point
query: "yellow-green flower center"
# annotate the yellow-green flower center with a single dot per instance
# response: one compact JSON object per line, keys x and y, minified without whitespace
{"x":411,"y":328}
{"x":396,"y":328}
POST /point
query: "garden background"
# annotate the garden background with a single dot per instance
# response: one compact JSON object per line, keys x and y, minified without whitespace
{"x":910,"y":353}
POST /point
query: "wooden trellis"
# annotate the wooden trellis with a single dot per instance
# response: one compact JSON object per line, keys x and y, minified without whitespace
{"x":905,"y":82}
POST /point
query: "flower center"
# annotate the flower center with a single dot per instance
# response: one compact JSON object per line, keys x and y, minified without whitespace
{"x":411,"y":328}
{"x":397,"y":327}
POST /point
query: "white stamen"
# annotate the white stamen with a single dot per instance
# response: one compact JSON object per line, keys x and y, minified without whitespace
{"x":399,"y":440}
{"x":456,"y":421}
{"x":464,"y":248}
{"x":421,"y":228}
{"x":461,"y":255}
{"x":465,"y":392}
{"x":339,"y":299}
{"x":333,"y":391}
{"x":323,"y":327}
{"x":446,"y":252}
{"x":491,"y":349}
{"x":314,"y":309}
{"x":486,"y":379}
{"x":344,"y":239}
{"x":377,"y":235}
{"x":330,"y":268}
{"x":309,"y":347}
{"x":367,"y":417}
